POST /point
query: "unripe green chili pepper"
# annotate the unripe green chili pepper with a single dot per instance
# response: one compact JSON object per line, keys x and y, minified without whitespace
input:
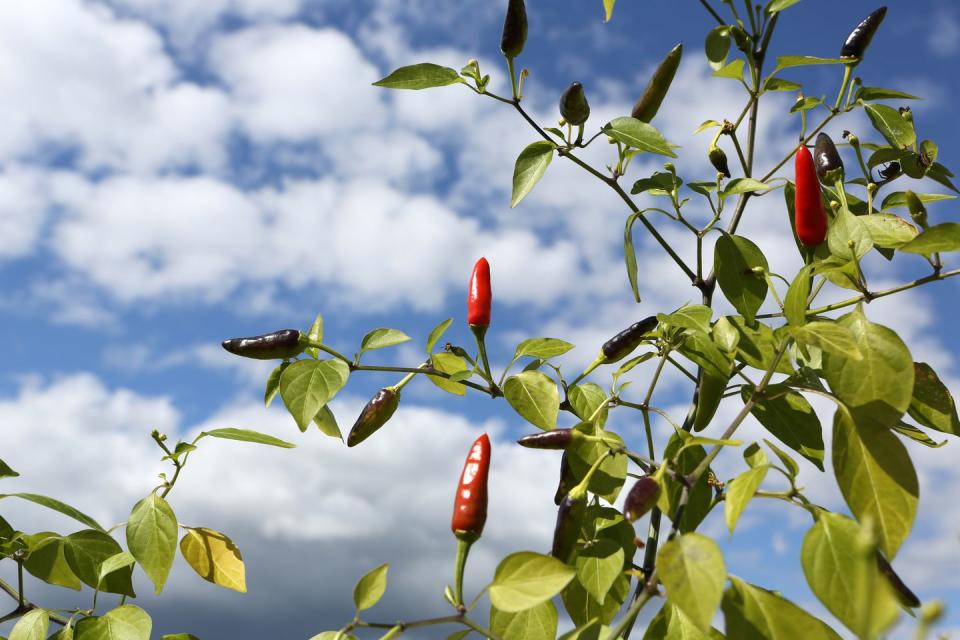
{"x":656,"y":90}
{"x":917,"y":211}
{"x":514,"y":34}
{"x":270,"y":346}
{"x":554,"y":439}
{"x":810,"y":219}
{"x":573,"y":105}
{"x":623,"y":344}
{"x":827,"y":160}
{"x":859,"y":39}
{"x":719,"y":160}
{"x":470,"y":503}
{"x":642,"y":498}
{"x":374,"y":415}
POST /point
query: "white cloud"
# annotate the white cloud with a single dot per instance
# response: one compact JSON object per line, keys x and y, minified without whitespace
{"x":90,"y":83}
{"x":22,"y":211}
{"x":943,"y":36}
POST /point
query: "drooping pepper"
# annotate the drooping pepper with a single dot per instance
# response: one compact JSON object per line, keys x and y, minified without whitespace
{"x":567,"y":529}
{"x":810,"y":219}
{"x":514,"y":34}
{"x":283,"y":344}
{"x":479,"y":297}
{"x":719,"y":160}
{"x":827,"y":160}
{"x":641,"y":498}
{"x":554,"y":439}
{"x":573,"y":105}
{"x":567,"y":480}
{"x":470,"y":503}
{"x":656,"y":90}
{"x":859,"y":39}
{"x":903,"y":593}
{"x":623,"y":344}
{"x":375,"y":414}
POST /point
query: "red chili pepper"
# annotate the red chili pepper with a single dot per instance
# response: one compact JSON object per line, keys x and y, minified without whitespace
{"x":809,"y":216}
{"x":479,"y":296}
{"x":470,"y":504}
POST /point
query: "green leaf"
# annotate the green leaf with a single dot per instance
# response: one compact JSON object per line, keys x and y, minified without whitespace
{"x":315,"y":334}
{"x":701,"y":496}
{"x":732,"y":70}
{"x":32,"y":626}
{"x":888,"y":231}
{"x":609,"y":478}
{"x":779,"y":84}
{"x":273,"y":383}
{"x":246,"y":435}
{"x":789,"y":464}
{"x":370,"y":588}
{"x":717,"y":46}
{"x":56,"y":505}
{"x":689,"y":316}
{"x":6,"y":471}
{"x":740,"y":492}
{"x":806,"y":103}
{"x":307,"y":385}
{"x":47,"y":562}
{"x":878,"y":387}
{"x":942,"y":238}
{"x":531,"y":164}
{"x":534,"y":396}
{"x":702,"y":350}
{"x":127,"y":622}
{"x":544,"y":348}
{"x":436,"y":333}
{"x":734,"y":259}
{"x":630,"y":255}
{"x":779,"y":5}
{"x":876,"y":478}
{"x":786,"y":62}
{"x":743,"y":185}
{"x":448,"y":363}
{"x":672,"y":624}
{"x":845,"y":230}
{"x":116,"y":562}
{"x":710,"y":396}
{"x":757,"y":345}
{"x":382,"y":338}
{"x":86,"y":550}
{"x":583,"y":609}
{"x":868,"y":94}
{"x":830,"y":337}
{"x":753,"y":613}
{"x":327,"y":423}
{"x":598,"y":565}
{"x":214,"y":557}
{"x":842,"y":572}
{"x":795,"y":304}
{"x":643,"y":136}
{"x":607,"y":14}
{"x":420,"y":76}
{"x":586,"y":398}
{"x":932,"y":404}
{"x":535,"y":623}
{"x":693,"y":573}
{"x":726,"y":336}
{"x":891,"y":125}
{"x":152,"y":538}
{"x":899,"y":198}
{"x":917,"y":435}
{"x":791,"y":419}
{"x":525,"y":579}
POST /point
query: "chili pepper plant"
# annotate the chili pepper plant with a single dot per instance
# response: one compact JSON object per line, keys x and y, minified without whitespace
{"x":628,"y":533}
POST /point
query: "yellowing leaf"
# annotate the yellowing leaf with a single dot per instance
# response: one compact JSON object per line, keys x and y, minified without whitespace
{"x":215,"y":558}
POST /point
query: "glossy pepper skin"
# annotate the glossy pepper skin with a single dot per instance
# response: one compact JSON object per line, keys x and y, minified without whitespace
{"x":555,"y":439}
{"x":809,"y":217}
{"x":573,"y":105}
{"x":567,"y":529}
{"x":906,"y":597}
{"x":827,"y":160}
{"x":719,"y":161}
{"x":270,"y":346}
{"x":470,"y":503}
{"x":656,"y":90}
{"x":374,"y":415}
{"x":479,"y":297}
{"x":623,"y":344}
{"x":641,"y":498}
{"x":859,"y":39}
{"x":514,"y":34}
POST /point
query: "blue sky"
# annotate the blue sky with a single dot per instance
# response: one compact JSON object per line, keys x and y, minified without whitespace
{"x":176,"y":173}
